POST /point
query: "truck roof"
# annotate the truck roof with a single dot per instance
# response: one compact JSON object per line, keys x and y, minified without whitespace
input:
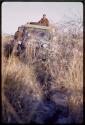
{"x":37,"y":27}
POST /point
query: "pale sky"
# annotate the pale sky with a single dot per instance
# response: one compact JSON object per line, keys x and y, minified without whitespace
{"x":15,"y":14}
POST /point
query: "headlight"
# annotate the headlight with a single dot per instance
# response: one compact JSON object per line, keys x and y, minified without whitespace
{"x":19,"y":42}
{"x":45,"y":45}
{"x":29,"y":35}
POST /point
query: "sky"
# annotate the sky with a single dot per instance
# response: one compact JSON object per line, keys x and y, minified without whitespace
{"x":15,"y":14}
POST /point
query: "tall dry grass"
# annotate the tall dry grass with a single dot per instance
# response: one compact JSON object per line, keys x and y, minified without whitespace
{"x":63,"y":65}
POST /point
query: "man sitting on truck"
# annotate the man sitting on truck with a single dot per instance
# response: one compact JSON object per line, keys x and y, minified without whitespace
{"x":44,"y":21}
